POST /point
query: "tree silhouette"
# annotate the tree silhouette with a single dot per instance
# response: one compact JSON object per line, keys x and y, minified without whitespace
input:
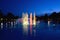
{"x":1,"y":14}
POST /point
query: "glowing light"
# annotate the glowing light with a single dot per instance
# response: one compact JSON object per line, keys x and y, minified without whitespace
{"x":31,"y":19}
{"x":25,"y":19}
{"x":25,"y":29}
{"x":34,"y":20}
{"x":11,"y":23}
{"x":25,"y":23}
{"x":48,"y":23}
{"x":1,"y":25}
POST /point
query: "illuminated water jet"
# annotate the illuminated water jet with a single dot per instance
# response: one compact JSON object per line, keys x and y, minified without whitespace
{"x":31,"y":19}
{"x":25,"y":19}
{"x":34,"y":20}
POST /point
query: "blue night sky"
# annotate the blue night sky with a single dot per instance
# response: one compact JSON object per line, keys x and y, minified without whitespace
{"x":39,"y":6}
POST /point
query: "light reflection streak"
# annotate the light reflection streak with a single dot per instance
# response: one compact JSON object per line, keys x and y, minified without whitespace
{"x":34,"y":32}
{"x":31,"y":29}
{"x":14,"y":24}
{"x":6,"y":25}
{"x":1,"y":25}
{"x":25,"y":29}
{"x":11,"y":23}
{"x":48,"y":23}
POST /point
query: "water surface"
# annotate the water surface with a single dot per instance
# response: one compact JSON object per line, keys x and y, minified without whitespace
{"x":40,"y":31}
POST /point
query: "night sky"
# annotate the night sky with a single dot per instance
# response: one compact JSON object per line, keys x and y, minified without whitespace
{"x":39,"y":6}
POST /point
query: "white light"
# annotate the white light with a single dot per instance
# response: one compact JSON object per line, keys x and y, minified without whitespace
{"x":48,"y":23}
{"x":1,"y":25}
{"x":25,"y":29}
{"x":11,"y":23}
{"x":34,"y":20}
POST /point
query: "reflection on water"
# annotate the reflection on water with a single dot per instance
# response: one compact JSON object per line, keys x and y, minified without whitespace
{"x":48,"y":23}
{"x":1,"y":25}
{"x":6,"y":25}
{"x":39,"y":31}
{"x":30,"y":29}
{"x":34,"y":32}
{"x":31,"y":19}
{"x":25,"y":29}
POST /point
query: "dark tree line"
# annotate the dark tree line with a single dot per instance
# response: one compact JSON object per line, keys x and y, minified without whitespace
{"x":8,"y":17}
{"x":54,"y":17}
